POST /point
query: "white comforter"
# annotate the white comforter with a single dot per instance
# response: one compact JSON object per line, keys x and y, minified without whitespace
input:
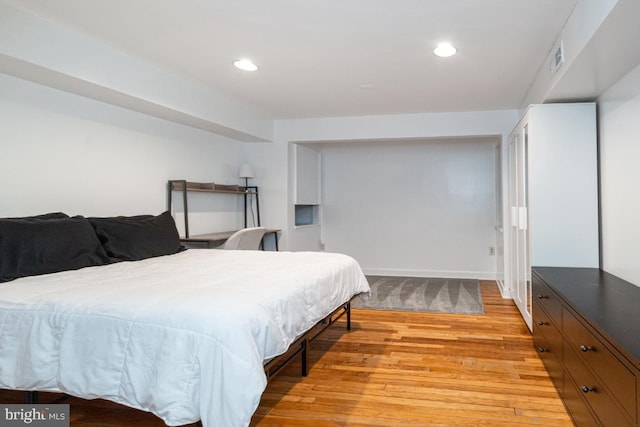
{"x":183,"y":336}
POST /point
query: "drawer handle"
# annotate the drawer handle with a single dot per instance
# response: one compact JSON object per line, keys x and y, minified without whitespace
{"x":586,"y":389}
{"x":542,"y":349}
{"x":586,"y":348}
{"x":540,"y":296}
{"x":541,"y":323}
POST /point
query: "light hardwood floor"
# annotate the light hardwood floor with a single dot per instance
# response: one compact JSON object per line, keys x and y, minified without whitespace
{"x":399,"y":369}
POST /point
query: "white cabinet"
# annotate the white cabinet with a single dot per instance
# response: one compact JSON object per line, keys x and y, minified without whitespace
{"x":307,"y":175}
{"x":553,"y":194}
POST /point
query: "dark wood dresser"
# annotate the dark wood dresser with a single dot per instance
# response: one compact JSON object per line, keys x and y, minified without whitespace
{"x":586,"y":328}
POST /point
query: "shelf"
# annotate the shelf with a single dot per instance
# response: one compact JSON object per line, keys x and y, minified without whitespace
{"x":185,"y":187}
{"x":209,"y":187}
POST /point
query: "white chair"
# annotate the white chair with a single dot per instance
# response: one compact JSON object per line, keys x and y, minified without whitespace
{"x":245,"y":239}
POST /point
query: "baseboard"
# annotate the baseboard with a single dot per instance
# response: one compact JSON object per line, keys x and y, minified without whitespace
{"x":480,"y":275}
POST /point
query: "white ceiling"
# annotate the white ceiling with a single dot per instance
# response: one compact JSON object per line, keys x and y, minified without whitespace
{"x":329,"y":58}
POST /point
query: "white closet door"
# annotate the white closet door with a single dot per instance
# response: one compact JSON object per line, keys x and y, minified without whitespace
{"x":520,"y":262}
{"x":513,"y":216}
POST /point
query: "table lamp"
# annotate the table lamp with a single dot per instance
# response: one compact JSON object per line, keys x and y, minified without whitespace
{"x":246,"y":172}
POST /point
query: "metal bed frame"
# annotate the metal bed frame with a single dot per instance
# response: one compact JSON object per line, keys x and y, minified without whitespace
{"x":301,"y":344}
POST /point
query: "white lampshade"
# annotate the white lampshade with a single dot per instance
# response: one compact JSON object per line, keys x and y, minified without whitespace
{"x":245,"y":171}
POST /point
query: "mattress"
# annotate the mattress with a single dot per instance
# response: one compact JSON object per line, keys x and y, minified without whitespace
{"x":183,"y":336}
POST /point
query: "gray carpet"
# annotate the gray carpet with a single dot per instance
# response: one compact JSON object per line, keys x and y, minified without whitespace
{"x":459,"y":296}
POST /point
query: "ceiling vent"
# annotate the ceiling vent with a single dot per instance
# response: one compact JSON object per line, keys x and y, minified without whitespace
{"x":557,"y":58}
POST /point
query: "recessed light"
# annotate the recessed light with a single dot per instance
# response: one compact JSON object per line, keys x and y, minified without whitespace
{"x":245,"y":64}
{"x":444,"y":50}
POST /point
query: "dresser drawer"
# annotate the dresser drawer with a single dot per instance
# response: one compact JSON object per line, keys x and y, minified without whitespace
{"x":597,"y":396}
{"x":577,"y":406}
{"x":542,"y":324}
{"x":547,"y":299}
{"x":548,"y":343}
{"x":550,"y":360}
{"x":603,"y":362}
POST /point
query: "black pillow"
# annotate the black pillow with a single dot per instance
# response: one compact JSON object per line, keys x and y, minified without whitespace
{"x":132,"y":238}
{"x":47,"y":244}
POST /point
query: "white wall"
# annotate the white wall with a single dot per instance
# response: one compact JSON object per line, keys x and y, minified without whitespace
{"x":408,"y":127}
{"x":619,"y":111}
{"x":50,"y":54}
{"x":421,"y":208}
{"x":62,"y":152}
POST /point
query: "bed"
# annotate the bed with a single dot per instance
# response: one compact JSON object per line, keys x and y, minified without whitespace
{"x":184,"y":335}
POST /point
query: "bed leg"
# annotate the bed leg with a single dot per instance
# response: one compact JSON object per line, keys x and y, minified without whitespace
{"x":305,"y":357}
{"x":347,"y":308}
{"x":31,"y":397}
